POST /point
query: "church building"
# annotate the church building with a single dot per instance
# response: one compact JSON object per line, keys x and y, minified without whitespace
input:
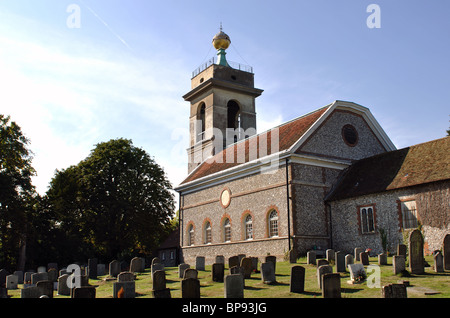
{"x":295,"y":186}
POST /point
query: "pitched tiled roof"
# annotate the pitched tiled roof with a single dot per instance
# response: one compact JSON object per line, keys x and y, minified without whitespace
{"x":415,"y":165}
{"x":289,"y":133}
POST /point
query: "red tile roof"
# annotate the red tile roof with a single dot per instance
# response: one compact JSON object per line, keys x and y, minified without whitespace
{"x":415,"y":165}
{"x":289,"y":133}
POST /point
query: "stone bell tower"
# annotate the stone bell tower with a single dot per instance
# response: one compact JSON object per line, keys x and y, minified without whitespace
{"x":222,"y":100}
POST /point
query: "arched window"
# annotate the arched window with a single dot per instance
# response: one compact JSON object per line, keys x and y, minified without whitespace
{"x":273,"y":223}
{"x":234,"y":120}
{"x":191,"y":235}
{"x":227,"y":230}
{"x":201,"y":122}
{"x":248,"y":225}
{"x":207,"y":233}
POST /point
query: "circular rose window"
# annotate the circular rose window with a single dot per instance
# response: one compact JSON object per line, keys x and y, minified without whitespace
{"x":350,"y":135}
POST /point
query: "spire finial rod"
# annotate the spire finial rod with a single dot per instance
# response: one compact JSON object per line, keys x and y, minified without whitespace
{"x":220,"y":26}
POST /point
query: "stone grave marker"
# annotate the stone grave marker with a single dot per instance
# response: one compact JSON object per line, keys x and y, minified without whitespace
{"x":416,"y":260}
{"x":217,"y":272}
{"x":438,"y":262}
{"x":190,"y":288}
{"x":357,"y":273}
{"x":234,"y":286}
{"x":53,"y":274}
{"x":62,"y":288}
{"x":124,"y":289}
{"x":12,"y":281}
{"x":273,"y":259}
{"x":42,"y":269}
{"x":19,"y":275}
{"x":157,"y":267}
{"x":137,"y":265}
{"x":114,"y":268}
{"x":329,"y":254}
{"x":311,"y":257}
{"x":101,"y":269}
{"x":27,"y":277}
{"x":190,"y":273}
{"x":181,"y":269}
{"x":331,"y":285}
{"x":394,"y":290}
{"x":446,"y":252}
{"x":200,"y":263}
{"x":159,"y":280}
{"x":293,"y":255}
{"x":398,"y":264}
{"x":340,"y":262}
{"x":84,"y":292}
{"x":323,"y":269}
{"x":220,"y":259}
{"x":233,"y":261}
{"x":254,"y":264}
{"x":268,"y":273}
{"x":92,"y":263}
{"x":156,"y":260}
{"x":401,"y":249}
{"x":382,"y":259}
{"x":37,"y":277}
{"x":358,"y":250}
{"x":297,"y":284}
{"x":240,"y":257}
{"x":321,"y":262}
{"x":125,"y":277}
{"x":348,"y":260}
{"x":45,"y":287}
{"x":364,"y":257}
{"x":247,"y":266}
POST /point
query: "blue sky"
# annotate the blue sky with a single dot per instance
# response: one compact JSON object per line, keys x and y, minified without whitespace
{"x":122,"y":72}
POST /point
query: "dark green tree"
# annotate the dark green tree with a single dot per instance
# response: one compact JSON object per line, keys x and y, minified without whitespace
{"x":115,"y":203}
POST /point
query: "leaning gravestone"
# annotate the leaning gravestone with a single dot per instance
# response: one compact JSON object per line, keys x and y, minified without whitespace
{"x":416,"y":260}
{"x":297,"y":284}
{"x":446,"y":251}
{"x":217,"y":272}
{"x":190,"y":288}
{"x":331,"y":285}
{"x":234,"y":286}
{"x":357,"y":272}
{"x":268,"y":273}
{"x":321,"y":270}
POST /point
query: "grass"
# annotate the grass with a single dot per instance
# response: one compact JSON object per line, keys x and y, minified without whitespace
{"x":254,"y":288}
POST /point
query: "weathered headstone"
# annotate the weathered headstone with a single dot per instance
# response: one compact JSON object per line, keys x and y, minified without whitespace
{"x":246,"y":265}
{"x":37,"y":277}
{"x":84,"y":291}
{"x":53,"y":274}
{"x":190,"y":273}
{"x":181,"y":269}
{"x":156,"y":260}
{"x":220,"y":259}
{"x":268,"y":273}
{"x":236,"y":270}
{"x":311,"y":258}
{"x":254,"y":264}
{"x":329,"y":254}
{"x":101,"y":269}
{"x":233,"y":261}
{"x":217,"y":272}
{"x":234,"y":286}
{"x":114,"y":268}
{"x":190,"y":288}
{"x":137,"y":265}
{"x":159,"y":280}
{"x":438,"y":262}
{"x":331,"y":285}
{"x":394,"y":291}
{"x":446,"y":252}
{"x":293,"y":255}
{"x":382,"y":259}
{"x":200,"y":263}
{"x":416,"y":260}
{"x":62,"y":288}
{"x":401,"y":249}
{"x":12,"y":281}
{"x":27,"y":277}
{"x":42,"y":269}
{"x":273,"y":259}
{"x":357,"y":272}
{"x":125,"y":289}
{"x":162,"y":293}
{"x":125,"y":277}
{"x":323,"y":269}
{"x":45,"y":287}
{"x":92,"y":263}
{"x":340,"y":262}
{"x":19,"y":275}
{"x":321,"y":262}
{"x":358,"y":250}
{"x":398,"y":264}
{"x":364,"y":257}
{"x":348,"y":260}
{"x":297,"y":284}
{"x":157,"y":267}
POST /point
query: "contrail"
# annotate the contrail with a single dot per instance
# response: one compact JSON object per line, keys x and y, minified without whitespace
{"x":106,"y":25}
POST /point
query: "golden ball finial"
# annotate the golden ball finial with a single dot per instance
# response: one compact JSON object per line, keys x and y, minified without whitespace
{"x":221,"y":40}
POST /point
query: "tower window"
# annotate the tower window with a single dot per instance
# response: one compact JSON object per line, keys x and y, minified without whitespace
{"x":201,"y":123}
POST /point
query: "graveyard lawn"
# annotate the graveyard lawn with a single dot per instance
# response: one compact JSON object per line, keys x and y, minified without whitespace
{"x":255,"y":288}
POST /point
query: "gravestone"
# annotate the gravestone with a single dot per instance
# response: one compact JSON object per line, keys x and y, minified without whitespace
{"x":37,"y":277}
{"x":323,"y":269}
{"x":27,"y":277}
{"x":394,"y":291}
{"x":114,"y":268}
{"x":247,"y":266}
{"x":157,"y":267}
{"x":297,"y":284}
{"x":125,"y":289}
{"x":364,"y":257}
{"x":42,"y":269}
{"x":401,"y":249}
{"x":101,"y":269}
{"x":329,"y":253}
{"x":45,"y":287}
{"x":311,"y":258}
{"x":156,"y":260}
{"x":19,"y":275}
{"x":62,"y":288}
{"x":137,"y":265}
{"x":92,"y":263}
{"x":268,"y":273}
{"x":163,"y":293}
{"x":358,"y":250}
{"x":217,"y":272}
{"x":446,"y":252}
{"x":331,"y":285}
{"x":348,"y":260}
{"x":357,"y":272}
{"x":220,"y":259}
{"x":382,"y":259}
{"x":438,"y":262}
{"x":84,"y":291}
{"x":53,"y":275}
{"x":240,"y":257}
{"x":30,"y":292}
{"x":190,"y":288}
{"x":340,"y":262}
{"x":416,"y":260}
{"x":3,"y":274}
{"x":236,"y":270}
{"x":181,"y":269}
{"x":234,"y":286}
{"x":254,"y":264}
{"x":200,"y":263}
{"x":52,"y":265}
{"x":398,"y":264}
{"x":321,"y":262}
{"x":190,"y":273}
{"x":273,"y":259}
{"x":12,"y":281}
{"x":233,"y":261}
{"x":125,"y":277}
{"x":159,"y":280}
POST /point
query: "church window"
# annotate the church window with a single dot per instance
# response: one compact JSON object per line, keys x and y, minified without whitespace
{"x":227,"y":230}
{"x":207,"y":234}
{"x":367,"y":219}
{"x":191,"y":235}
{"x":409,"y":214}
{"x":273,"y":223}
{"x":201,"y":123}
{"x":248,"y":227}
{"x":350,"y":135}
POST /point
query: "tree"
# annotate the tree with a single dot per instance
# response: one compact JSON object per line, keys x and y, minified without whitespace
{"x":16,"y":193}
{"x":117,"y":200}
